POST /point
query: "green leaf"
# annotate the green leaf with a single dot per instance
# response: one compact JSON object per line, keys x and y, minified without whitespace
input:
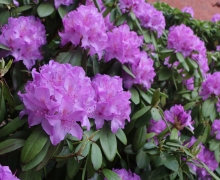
{"x":169,"y":161}
{"x":134,"y":95}
{"x":33,"y":145}
{"x":107,"y":11}
{"x":180,"y":57}
{"x":156,"y":98}
{"x":73,"y":167}
{"x":159,"y":173}
{"x":83,"y":149}
{"x":4,"y":20}
{"x":62,"y":11}
{"x":110,"y":175}
{"x":214,"y":144}
{"x":155,"y":114}
{"x":10,"y":145}
{"x":189,"y":105}
{"x":4,"y":47}
{"x":174,"y":134}
{"x":31,"y":175}
{"x":8,"y":97}
{"x":5,"y":2}
{"x":121,"y":136}
{"x":164,"y":74}
{"x":23,"y":8}
{"x":143,"y":160}
{"x":127,"y":70}
{"x":108,"y":143}
{"x":140,"y":112}
{"x":47,"y":157}
{"x":12,"y":126}
{"x":73,"y":57}
{"x":120,"y":20}
{"x":217,"y":155}
{"x":143,"y":120}
{"x":45,"y":9}
{"x":139,"y":139}
{"x":96,"y":156}
{"x":207,"y":107}
{"x":37,"y":159}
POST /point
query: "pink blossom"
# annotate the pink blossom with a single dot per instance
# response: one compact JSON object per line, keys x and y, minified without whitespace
{"x":216,"y":129}
{"x":63,"y":2}
{"x":59,"y":97}
{"x":156,"y":126}
{"x":126,"y":175}
{"x":215,"y":18}
{"x":182,"y":39}
{"x":143,"y":71}
{"x":24,"y":36}
{"x":85,"y":26}
{"x":178,"y":117}
{"x":211,"y":86}
{"x":6,"y":174}
{"x":123,"y":44}
{"x":189,"y":10}
{"x":109,"y":97}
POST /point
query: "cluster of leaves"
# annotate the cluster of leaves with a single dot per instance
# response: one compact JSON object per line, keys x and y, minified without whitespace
{"x":29,"y":150}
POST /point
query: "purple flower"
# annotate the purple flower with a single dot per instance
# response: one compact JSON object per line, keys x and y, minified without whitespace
{"x":16,"y":3}
{"x":211,"y":86}
{"x":156,"y":126}
{"x":178,"y":117}
{"x":215,"y":18}
{"x":109,"y":97}
{"x":189,"y":83}
{"x":188,"y":10}
{"x":123,"y":45}
{"x":24,"y":36}
{"x":216,"y":129}
{"x":217,"y":48}
{"x":85,"y":26}
{"x":143,"y":71}
{"x":182,"y":39}
{"x":130,"y":5}
{"x":59,"y":97}
{"x":6,"y":174}
{"x":126,"y":175}
{"x":64,"y":2}
{"x":150,"y":18}
{"x":207,"y":157}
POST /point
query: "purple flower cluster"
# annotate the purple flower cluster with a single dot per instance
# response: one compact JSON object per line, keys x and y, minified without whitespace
{"x":123,"y":44}
{"x":189,"y":10}
{"x":59,"y":97}
{"x":149,"y":17}
{"x":215,"y":18}
{"x":126,"y":175}
{"x":211,"y":86}
{"x":24,"y":36}
{"x":182,"y":39}
{"x":109,"y":97}
{"x":86,"y":27}
{"x":143,"y":71}
{"x":178,"y":117}
{"x":207,"y":157}
{"x":57,"y":3}
{"x":5,"y":173}
{"x":216,"y":129}
{"x":156,"y":126}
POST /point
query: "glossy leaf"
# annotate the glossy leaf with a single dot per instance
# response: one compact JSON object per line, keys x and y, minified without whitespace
{"x":96,"y":156}
{"x":45,"y":9}
{"x":10,"y":145}
{"x":139,"y":139}
{"x":108,"y":143}
{"x":121,"y":136}
{"x":33,"y":145}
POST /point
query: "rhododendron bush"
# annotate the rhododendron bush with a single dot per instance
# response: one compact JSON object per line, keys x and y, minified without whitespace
{"x":108,"y":90}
